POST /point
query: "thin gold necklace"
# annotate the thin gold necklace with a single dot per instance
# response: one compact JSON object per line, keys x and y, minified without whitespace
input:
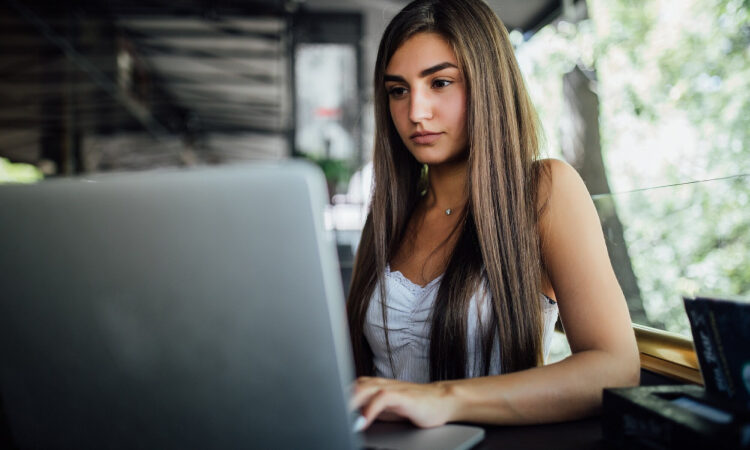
{"x":448,"y":211}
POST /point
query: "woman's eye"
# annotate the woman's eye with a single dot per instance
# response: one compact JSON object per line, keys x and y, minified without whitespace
{"x":441,"y":83}
{"x":397,"y":91}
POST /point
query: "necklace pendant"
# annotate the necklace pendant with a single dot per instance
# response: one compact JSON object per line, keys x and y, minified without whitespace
{"x":448,"y":212}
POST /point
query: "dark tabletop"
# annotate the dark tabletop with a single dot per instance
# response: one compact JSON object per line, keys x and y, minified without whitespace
{"x":580,"y":435}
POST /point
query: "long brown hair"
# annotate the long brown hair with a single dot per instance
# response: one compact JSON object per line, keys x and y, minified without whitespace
{"x":498,"y":244}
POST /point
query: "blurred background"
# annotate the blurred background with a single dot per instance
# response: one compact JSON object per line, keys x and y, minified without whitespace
{"x":649,"y":100}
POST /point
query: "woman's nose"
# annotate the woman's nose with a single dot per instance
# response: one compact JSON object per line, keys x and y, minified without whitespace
{"x":420,"y":106}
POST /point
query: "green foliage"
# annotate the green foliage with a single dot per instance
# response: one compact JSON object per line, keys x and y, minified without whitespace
{"x":18,"y":172}
{"x":674,"y":89}
{"x":336,"y":171}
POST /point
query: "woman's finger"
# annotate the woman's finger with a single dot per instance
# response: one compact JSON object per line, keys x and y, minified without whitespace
{"x":374,"y":407}
{"x":366,"y":387}
{"x":361,"y":396}
{"x":384,"y":403}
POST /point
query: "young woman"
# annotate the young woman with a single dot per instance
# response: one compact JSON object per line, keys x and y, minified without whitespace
{"x":472,"y":243}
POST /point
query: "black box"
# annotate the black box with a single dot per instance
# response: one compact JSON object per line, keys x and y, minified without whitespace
{"x":721,"y":336}
{"x":677,"y":416}
{"x":689,"y":416}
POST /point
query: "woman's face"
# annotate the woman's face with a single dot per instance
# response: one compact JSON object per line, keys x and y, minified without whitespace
{"x":427,"y":99}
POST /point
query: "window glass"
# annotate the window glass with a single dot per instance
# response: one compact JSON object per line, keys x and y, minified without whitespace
{"x":327,"y":108}
{"x":666,"y":85}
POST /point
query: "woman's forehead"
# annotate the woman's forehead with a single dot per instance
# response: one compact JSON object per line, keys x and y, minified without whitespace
{"x":421,"y":51}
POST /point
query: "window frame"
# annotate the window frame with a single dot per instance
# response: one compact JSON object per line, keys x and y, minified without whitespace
{"x":669,"y":354}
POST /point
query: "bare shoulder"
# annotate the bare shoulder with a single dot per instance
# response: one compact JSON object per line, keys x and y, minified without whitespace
{"x":573,"y":247}
{"x":560,"y":190}
{"x":558,"y":175}
{"x":592,"y":306}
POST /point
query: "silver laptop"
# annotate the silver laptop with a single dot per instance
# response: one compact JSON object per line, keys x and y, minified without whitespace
{"x":182,"y":309}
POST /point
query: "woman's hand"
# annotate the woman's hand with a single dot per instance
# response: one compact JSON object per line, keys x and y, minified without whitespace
{"x":425,"y":405}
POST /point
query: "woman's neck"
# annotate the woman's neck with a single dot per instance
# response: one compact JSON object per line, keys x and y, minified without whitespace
{"x":447,"y":187}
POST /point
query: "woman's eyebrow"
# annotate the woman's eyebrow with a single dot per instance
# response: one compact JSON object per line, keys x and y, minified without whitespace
{"x":436,"y":68}
{"x":426,"y":72}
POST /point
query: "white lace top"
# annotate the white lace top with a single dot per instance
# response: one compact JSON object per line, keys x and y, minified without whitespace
{"x":408,"y":309}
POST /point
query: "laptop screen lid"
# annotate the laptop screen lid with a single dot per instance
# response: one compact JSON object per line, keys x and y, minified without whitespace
{"x":197,"y":308}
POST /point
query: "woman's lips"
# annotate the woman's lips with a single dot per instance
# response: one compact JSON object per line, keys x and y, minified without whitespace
{"x":425,"y":138}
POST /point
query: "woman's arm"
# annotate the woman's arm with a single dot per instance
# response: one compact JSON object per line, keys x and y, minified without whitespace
{"x":596,"y":321}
